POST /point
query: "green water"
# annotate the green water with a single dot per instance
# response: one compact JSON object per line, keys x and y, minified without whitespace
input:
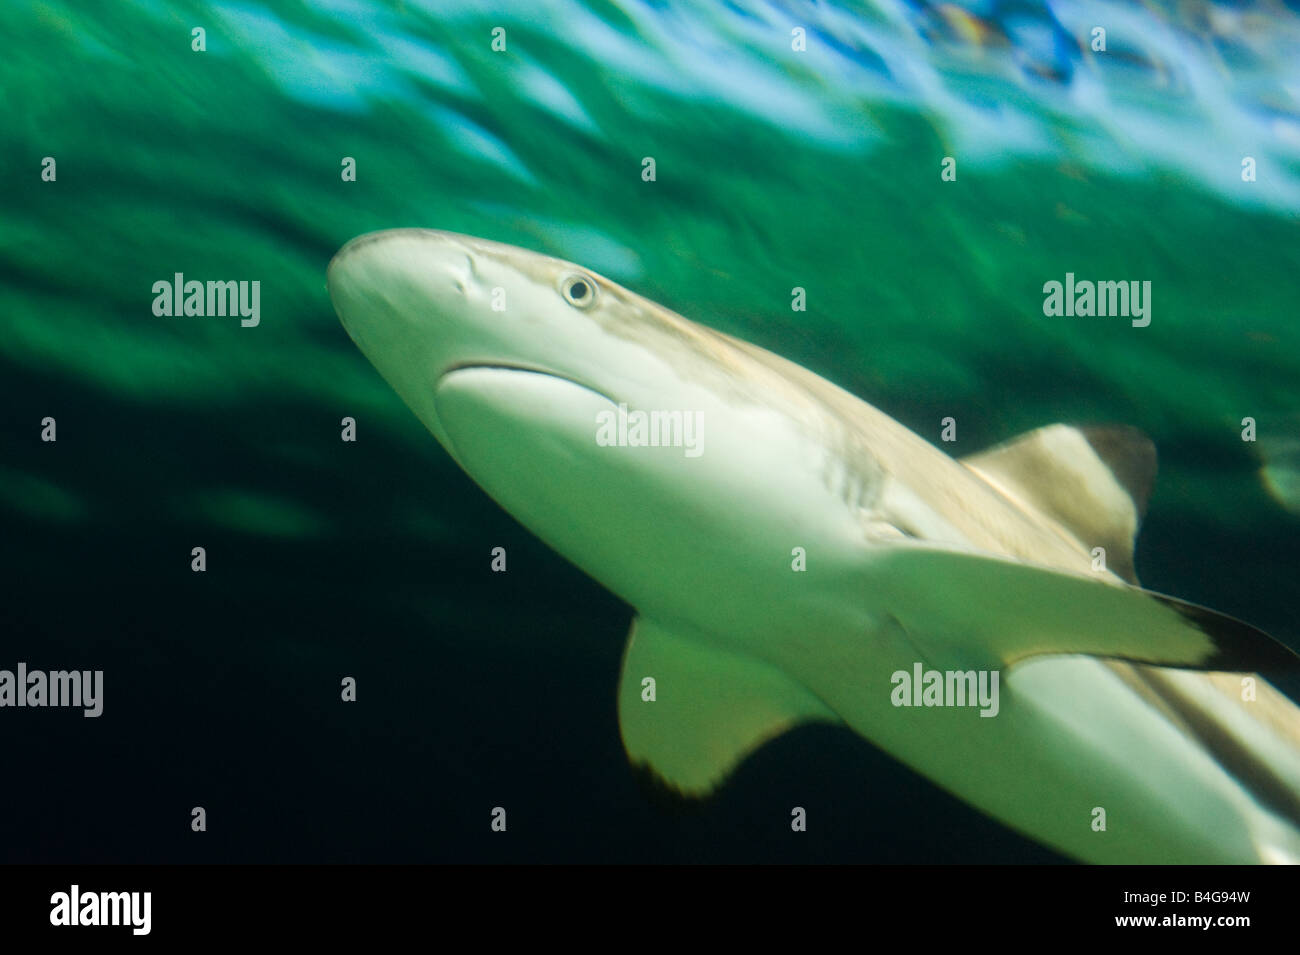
{"x":774,"y":169}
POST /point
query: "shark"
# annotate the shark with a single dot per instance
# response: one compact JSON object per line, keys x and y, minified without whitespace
{"x":814,"y":555}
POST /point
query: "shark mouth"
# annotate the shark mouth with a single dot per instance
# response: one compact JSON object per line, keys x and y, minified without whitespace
{"x":518,"y":368}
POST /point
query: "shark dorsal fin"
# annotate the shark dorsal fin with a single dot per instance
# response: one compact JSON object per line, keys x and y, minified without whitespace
{"x":708,"y":710}
{"x":1094,"y":482}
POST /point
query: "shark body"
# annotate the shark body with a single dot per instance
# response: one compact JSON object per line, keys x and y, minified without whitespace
{"x":1121,"y":734}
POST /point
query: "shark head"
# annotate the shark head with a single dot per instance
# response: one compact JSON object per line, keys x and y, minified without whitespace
{"x":423,"y":305}
{"x":636,"y":443}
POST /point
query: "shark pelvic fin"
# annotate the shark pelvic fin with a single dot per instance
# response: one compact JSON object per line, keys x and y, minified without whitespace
{"x":1094,"y":482}
{"x":706,"y":709}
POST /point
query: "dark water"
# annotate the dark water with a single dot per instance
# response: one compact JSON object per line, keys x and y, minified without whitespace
{"x":776,"y":169}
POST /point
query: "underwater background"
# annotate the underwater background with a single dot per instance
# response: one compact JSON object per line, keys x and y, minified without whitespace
{"x":776,"y":168}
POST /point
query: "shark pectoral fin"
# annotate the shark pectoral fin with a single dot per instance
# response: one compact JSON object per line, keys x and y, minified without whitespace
{"x":691,"y":712}
{"x":1093,"y":482}
{"x":1008,"y":611}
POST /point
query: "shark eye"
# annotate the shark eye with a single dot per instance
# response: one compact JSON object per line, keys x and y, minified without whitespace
{"x":578,"y":290}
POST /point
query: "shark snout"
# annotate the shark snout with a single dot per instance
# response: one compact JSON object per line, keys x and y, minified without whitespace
{"x":408,"y":299}
{"x":399,"y":266}
{"x":411,"y":291}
